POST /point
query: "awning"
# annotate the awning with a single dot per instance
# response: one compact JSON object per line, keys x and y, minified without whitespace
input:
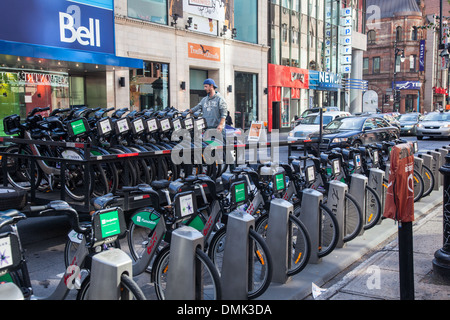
{"x":61,"y":54}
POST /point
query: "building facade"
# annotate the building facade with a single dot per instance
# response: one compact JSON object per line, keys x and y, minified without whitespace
{"x":315,"y":57}
{"x":396,"y":55}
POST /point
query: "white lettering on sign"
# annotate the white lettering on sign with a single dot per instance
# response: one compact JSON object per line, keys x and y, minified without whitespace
{"x":83,"y":35}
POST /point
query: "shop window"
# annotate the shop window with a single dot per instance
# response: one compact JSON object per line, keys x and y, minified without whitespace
{"x":149,"y":87}
{"x":246,"y":99}
{"x":197,"y":91}
{"x":148,"y":10}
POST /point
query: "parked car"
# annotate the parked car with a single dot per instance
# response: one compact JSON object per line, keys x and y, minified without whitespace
{"x":311,"y":124}
{"x":434,"y":124}
{"x":408,"y":123}
{"x":356,"y":131}
{"x":312,"y":111}
{"x":391,"y":118}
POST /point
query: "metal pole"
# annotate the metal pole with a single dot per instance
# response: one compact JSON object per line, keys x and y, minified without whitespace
{"x":441,"y":262}
{"x":406,"y":260}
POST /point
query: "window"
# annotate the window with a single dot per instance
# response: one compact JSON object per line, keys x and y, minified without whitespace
{"x":365,"y":65}
{"x":376,"y":65}
{"x":398,"y":34}
{"x":398,"y":64}
{"x":371,"y":36}
{"x":148,"y":10}
{"x":246,"y":99}
{"x":412,"y":63}
{"x":246,"y":20}
{"x":414,"y":33}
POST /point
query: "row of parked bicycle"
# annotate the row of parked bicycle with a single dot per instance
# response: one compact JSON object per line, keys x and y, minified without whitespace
{"x":122,"y":132}
{"x":204,"y":203}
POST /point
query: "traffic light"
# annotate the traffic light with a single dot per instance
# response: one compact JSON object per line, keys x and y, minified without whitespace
{"x":386,"y":98}
{"x":396,"y":96}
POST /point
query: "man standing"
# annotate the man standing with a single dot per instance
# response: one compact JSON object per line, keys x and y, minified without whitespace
{"x":213,"y":106}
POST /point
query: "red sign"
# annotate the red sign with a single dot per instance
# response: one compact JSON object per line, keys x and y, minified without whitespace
{"x":287,"y":77}
{"x":439,"y":90}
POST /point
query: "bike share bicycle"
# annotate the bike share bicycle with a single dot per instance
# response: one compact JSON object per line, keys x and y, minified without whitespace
{"x":95,"y":235}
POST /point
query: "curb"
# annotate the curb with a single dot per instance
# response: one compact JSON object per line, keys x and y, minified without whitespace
{"x":300,"y":286}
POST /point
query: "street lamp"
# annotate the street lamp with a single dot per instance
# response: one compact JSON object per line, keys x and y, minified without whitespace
{"x":396,"y":92}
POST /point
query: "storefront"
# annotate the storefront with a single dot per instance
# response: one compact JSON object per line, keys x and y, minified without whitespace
{"x":285,"y":86}
{"x":61,"y":54}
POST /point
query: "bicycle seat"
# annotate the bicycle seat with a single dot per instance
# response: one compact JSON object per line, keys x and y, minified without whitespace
{"x":14,"y":214}
{"x":160,"y":184}
{"x":190,"y":179}
{"x":104,"y":201}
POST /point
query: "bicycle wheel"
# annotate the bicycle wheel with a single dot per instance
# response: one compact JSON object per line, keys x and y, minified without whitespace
{"x":300,"y":247}
{"x":328,"y":231}
{"x":76,"y":181}
{"x":373,"y":208}
{"x":418,"y":185}
{"x":428,"y":180}
{"x":262,"y":267}
{"x":127,"y":285}
{"x":353,"y":218}
{"x":18,"y":170}
{"x":209,"y":287}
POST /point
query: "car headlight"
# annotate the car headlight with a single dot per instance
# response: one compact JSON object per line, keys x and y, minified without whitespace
{"x":419,"y":125}
{"x":291,"y":134}
{"x":337,"y":140}
{"x":446,"y":126}
{"x":408,"y":126}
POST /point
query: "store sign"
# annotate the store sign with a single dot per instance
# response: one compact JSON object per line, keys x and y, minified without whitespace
{"x":326,"y":81}
{"x":408,"y":85}
{"x":86,"y":25}
{"x":200,"y":51}
{"x":287,"y":77}
{"x":422,"y":55}
{"x":34,"y":78}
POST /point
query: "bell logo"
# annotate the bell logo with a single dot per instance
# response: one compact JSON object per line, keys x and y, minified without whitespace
{"x":85,"y":36}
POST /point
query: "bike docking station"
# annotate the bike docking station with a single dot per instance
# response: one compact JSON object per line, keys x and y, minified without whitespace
{"x":109,"y":265}
{"x":236,"y":264}
{"x":336,"y":202}
{"x":357,"y":190}
{"x":183,"y":273}
{"x":311,"y":217}
{"x":375,"y":181}
{"x":434,"y":167}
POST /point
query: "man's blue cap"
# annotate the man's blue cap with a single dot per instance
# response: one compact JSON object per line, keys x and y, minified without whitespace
{"x":210,"y":81}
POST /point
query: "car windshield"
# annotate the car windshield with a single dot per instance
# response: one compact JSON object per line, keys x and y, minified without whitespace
{"x":408,"y":117}
{"x":316,"y":120}
{"x":438,"y":116}
{"x":351,"y":123}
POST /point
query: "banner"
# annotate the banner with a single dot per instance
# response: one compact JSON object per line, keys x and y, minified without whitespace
{"x":422,"y":55}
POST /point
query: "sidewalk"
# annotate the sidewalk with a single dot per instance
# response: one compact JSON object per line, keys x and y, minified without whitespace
{"x":366,"y":268}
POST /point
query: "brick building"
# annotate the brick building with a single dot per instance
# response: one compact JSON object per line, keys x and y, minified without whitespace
{"x":391,"y":25}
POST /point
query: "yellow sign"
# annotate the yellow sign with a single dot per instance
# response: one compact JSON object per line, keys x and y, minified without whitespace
{"x":200,"y":51}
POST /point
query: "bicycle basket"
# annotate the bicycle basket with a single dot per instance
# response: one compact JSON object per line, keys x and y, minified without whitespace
{"x":108,"y":225}
{"x":279,"y":182}
{"x":185,"y":205}
{"x":11,"y":124}
{"x":78,"y":127}
{"x":10,"y":256}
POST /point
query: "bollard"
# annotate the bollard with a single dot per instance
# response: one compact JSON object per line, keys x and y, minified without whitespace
{"x":375,"y":181}
{"x":235,"y":265}
{"x":336,"y":202}
{"x":443,"y":152}
{"x":181,"y":277}
{"x":441,"y":261}
{"x":311,"y":219}
{"x":107,"y":269}
{"x":358,"y":191}
{"x":277,"y":238}
{"x":435,"y":165}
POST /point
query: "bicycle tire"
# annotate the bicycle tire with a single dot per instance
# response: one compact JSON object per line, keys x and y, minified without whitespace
{"x":301,"y":243}
{"x":373,"y":208}
{"x":353,"y":218}
{"x":418,"y":185}
{"x":18,"y":170}
{"x":428,"y":180}
{"x":126,"y":284}
{"x":328,"y":232}
{"x":210,"y":281}
{"x":262,"y":267}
